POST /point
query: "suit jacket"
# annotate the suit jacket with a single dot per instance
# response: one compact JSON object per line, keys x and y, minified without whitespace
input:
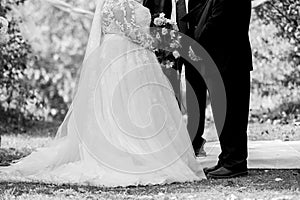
{"x":222,"y":28}
{"x":158,"y":6}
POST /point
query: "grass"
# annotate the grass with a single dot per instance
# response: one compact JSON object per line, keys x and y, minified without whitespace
{"x":260,"y":184}
{"x":262,"y":131}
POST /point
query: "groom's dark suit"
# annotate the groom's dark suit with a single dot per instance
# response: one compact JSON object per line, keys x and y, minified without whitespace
{"x":221,"y":27}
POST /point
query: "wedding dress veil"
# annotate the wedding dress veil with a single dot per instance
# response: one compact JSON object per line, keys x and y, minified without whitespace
{"x":94,"y":41}
{"x":95,"y":33}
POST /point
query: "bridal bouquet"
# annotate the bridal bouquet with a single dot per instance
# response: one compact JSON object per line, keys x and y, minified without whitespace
{"x":3,"y":30}
{"x":165,"y":31}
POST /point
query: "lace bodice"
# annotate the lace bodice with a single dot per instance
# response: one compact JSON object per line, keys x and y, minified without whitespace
{"x":129,"y":18}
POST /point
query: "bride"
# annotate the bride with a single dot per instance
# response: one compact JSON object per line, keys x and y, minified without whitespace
{"x":124,"y":126}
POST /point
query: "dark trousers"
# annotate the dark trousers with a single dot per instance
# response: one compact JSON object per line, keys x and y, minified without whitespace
{"x":233,"y":138}
{"x":196,"y":95}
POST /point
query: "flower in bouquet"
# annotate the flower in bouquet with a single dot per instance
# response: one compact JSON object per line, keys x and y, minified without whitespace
{"x":172,"y":34}
{"x":162,"y":15}
{"x":164,"y":31}
{"x":161,"y":21}
{"x":157,"y":36}
{"x":158,"y":21}
{"x":176,"y":54}
{"x":169,"y":64}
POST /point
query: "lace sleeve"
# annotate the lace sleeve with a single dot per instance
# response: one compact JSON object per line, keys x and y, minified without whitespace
{"x":124,"y":15}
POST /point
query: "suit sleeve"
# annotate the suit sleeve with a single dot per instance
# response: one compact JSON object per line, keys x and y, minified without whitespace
{"x":223,"y":19}
{"x":215,"y":24}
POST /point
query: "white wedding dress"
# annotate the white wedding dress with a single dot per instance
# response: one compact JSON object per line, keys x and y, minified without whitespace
{"x":124,"y":126}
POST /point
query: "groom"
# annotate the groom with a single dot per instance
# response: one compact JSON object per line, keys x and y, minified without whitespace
{"x":221,"y":27}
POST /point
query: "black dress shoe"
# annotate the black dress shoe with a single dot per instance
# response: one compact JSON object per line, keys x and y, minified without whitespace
{"x":222,"y":172}
{"x":210,"y":169}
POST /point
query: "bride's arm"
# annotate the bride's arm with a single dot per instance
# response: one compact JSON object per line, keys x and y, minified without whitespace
{"x":124,"y":16}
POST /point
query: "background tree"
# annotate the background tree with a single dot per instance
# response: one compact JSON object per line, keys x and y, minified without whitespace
{"x":276,"y":47}
{"x":16,"y":93}
{"x":60,"y":39}
{"x":285,"y":15}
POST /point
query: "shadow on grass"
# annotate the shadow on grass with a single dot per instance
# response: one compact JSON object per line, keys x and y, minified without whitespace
{"x":33,"y":128}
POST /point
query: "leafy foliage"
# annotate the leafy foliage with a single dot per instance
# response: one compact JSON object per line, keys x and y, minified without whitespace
{"x":41,"y":70}
{"x":276,"y":47}
{"x":285,"y":15}
{"x":60,"y":46}
{"x":15,"y":57}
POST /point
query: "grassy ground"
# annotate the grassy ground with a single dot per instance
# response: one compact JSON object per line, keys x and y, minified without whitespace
{"x":260,"y":184}
{"x":262,"y":131}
